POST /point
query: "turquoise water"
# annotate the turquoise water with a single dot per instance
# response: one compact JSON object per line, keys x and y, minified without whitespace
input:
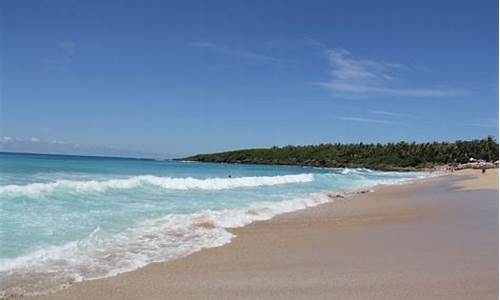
{"x":69,"y":218}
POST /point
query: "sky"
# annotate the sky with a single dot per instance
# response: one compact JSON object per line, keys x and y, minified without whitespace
{"x":174,"y":78}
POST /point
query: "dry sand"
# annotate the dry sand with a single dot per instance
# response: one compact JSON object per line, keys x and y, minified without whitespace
{"x":427,"y":240}
{"x":475,"y":179}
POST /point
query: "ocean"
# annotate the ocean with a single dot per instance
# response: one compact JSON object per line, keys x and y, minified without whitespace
{"x":65,"y":219}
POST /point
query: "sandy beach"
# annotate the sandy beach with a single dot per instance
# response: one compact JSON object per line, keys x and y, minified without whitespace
{"x":435,"y":239}
{"x":477,"y":180}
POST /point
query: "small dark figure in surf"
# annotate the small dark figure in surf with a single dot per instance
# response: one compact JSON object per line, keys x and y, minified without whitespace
{"x":229,"y":176}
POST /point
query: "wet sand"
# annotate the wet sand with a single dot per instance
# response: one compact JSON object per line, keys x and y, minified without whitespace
{"x":436,"y":239}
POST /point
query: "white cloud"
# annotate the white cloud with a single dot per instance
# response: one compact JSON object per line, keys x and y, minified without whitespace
{"x":202,"y":44}
{"x":67,"y":44}
{"x":486,"y":123}
{"x":64,"y":55}
{"x":233,"y":52}
{"x":387,"y":113}
{"x":363,"y":120}
{"x":350,"y":75}
{"x":32,"y":140}
{"x":58,"y":142}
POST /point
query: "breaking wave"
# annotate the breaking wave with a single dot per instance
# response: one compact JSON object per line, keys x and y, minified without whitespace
{"x":40,"y":189}
{"x":101,"y":255}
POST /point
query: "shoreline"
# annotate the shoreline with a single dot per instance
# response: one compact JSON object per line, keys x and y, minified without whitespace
{"x":37,"y":283}
{"x":340,"y":209}
{"x":385,"y":169}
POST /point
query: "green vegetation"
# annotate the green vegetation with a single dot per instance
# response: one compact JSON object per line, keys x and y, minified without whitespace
{"x":392,"y":156}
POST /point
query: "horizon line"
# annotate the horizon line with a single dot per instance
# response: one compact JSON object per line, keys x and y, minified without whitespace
{"x":231,"y":150}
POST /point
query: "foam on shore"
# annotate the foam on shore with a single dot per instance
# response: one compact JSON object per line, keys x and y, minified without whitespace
{"x":103,"y":253}
{"x":100,"y":255}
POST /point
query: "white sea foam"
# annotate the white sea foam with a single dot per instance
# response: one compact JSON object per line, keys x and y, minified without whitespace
{"x":101,"y":255}
{"x":40,"y":189}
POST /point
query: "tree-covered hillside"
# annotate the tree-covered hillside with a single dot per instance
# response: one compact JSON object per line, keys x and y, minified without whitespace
{"x":391,"y":156}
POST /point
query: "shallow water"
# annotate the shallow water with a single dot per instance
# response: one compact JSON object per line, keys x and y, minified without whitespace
{"x":69,"y":218}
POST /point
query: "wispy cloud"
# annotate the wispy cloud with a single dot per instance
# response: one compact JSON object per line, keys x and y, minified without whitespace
{"x":233,"y":52}
{"x":67,"y":44}
{"x":65,"y":53}
{"x":387,"y":113}
{"x":350,"y":75}
{"x":363,"y":120}
{"x":39,"y":145}
{"x":486,"y":123}
{"x":10,"y":140}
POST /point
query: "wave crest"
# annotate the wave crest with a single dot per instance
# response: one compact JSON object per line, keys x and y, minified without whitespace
{"x":40,"y":189}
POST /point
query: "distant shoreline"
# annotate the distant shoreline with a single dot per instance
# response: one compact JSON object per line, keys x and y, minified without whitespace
{"x":389,"y":169}
{"x":401,"y":156}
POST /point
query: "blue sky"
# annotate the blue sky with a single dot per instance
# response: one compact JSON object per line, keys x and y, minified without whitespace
{"x":182,"y":77}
